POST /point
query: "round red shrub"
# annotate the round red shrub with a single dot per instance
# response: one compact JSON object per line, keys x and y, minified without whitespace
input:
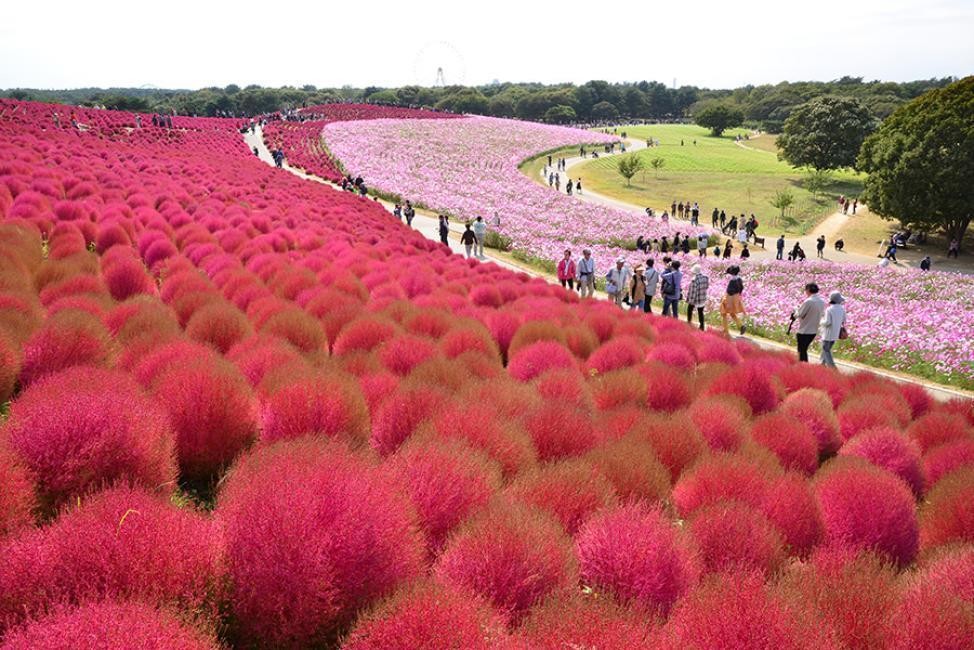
{"x":861,"y":413}
{"x":85,"y":427}
{"x":621,"y":352}
{"x":584,"y":621}
{"x":867,"y":508}
{"x":404,"y":352}
{"x":631,"y":466}
{"x":750,"y":383}
{"x":17,"y":500}
{"x":618,"y":388}
{"x":213,"y":411}
{"x":314,"y":534}
{"x":675,"y":438}
{"x":814,"y":408}
{"x":94,"y":626}
{"x":722,"y":419}
{"x":789,"y":439}
{"x":536,"y":358}
{"x":567,"y":386}
{"x":512,"y":555}
{"x":399,"y":415}
{"x":791,"y":506}
{"x":737,"y":610}
{"x":331,"y":406}
{"x":123,"y":543}
{"x":365,"y":333}
{"x":803,"y":377}
{"x":943,"y":459}
{"x":731,"y":535}
{"x":948,"y":514}
{"x":67,"y":339}
{"x":219,"y":324}
{"x":447,"y":480}
{"x":9,"y":367}
{"x":851,"y":594}
{"x":560,"y":431}
{"x":667,"y":389}
{"x":428,"y":615}
{"x":126,"y":278}
{"x":917,"y":397}
{"x":471,"y":336}
{"x":890,"y":450}
{"x":723,"y":476}
{"x":636,"y":554}
{"x":568,"y":490}
{"x":505,"y":441}
{"x":298,"y":328}
{"x":938,"y":428}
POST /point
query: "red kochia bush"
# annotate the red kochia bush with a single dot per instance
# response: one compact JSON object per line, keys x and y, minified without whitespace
{"x":948,"y":514}
{"x":480,"y":425}
{"x":83,"y":427}
{"x":97,"y":626}
{"x":943,"y":459}
{"x":9,"y":367}
{"x":750,"y":383}
{"x":560,"y":431}
{"x":399,"y":415}
{"x":123,"y":543}
{"x":66,"y":339}
{"x":428,"y":615}
{"x":937,"y":428}
{"x":403,"y":353}
{"x":864,"y":507}
{"x":314,"y":533}
{"x":17,"y":499}
{"x":890,"y":450}
{"x":532,"y":360}
{"x":723,"y":476}
{"x":213,"y":411}
{"x":446,"y":480}
{"x":617,"y":353}
{"x":789,"y":439}
{"x":219,"y":324}
{"x":737,"y":610}
{"x":722,"y":420}
{"x":814,"y":408}
{"x":584,"y":621}
{"x":630,"y":464}
{"x":331,"y":406}
{"x":850,"y":594}
{"x":512,"y":555}
{"x":675,"y":452}
{"x":569,"y":490}
{"x":635,"y":553}
{"x":731,"y":535}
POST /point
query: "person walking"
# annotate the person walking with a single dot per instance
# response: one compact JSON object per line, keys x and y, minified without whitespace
{"x":617,"y":281}
{"x":732,"y":304}
{"x":809,"y":315}
{"x":953,"y":250}
{"x":728,"y":247}
{"x":833,"y":327}
{"x":578,"y":186}
{"x":697,"y":294}
{"x":714,"y":216}
{"x":637,"y":289}
{"x":468,"y":239}
{"x":672,"y":281}
{"x":409,"y":213}
{"x":651,"y":276}
{"x":702,"y":240}
{"x":480,"y":232}
{"x":567,"y":271}
{"x":444,"y":230}
{"x":820,"y":247}
{"x":586,"y":274}
{"x":781,"y":248}
{"x":397,"y":212}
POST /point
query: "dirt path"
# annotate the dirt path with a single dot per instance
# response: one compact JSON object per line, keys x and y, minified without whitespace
{"x":425,"y":222}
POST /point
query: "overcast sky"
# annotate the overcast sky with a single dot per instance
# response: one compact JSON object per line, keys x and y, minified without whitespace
{"x":717,"y":44}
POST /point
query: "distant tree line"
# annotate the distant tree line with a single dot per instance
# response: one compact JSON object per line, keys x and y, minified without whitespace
{"x":766,"y":106}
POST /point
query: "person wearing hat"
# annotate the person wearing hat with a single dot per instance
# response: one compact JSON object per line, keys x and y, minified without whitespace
{"x":732,"y":305}
{"x":637,"y":289}
{"x":697,"y":294}
{"x":617,"y":281}
{"x":586,"y":274}
{"x":833,"y":327}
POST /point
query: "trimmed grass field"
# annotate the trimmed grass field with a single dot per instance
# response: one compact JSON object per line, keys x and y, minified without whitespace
{"x":716,"y":172}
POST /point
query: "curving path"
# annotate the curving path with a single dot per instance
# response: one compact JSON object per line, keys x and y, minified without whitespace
{"x":425,"y":222}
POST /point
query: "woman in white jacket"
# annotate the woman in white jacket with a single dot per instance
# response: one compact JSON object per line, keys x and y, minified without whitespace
{"x":832,"y":325}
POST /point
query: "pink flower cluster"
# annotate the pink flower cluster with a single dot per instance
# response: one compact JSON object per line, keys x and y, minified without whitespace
{"x":399,"y":447}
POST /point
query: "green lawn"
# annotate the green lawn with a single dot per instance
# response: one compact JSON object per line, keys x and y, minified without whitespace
{"x":716,"y":172}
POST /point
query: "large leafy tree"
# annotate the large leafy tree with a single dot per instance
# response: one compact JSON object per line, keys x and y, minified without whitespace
{"x":826,"y":133}
{"x":921,"y":162}
{"x":718,"y":117}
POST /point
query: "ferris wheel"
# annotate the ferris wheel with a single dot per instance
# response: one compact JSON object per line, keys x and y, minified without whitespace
{"x":439,"y":63}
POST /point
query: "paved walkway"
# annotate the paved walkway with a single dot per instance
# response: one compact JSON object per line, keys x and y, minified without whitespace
{"x":425,"y":222}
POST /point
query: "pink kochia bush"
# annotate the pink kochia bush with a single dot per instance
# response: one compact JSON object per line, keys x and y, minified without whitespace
{"x":426,"y":615}
{"x":584,"y":621}
{"x":17,"y":499}
{"x":531,"y":361}
{"x":85,"y":427}
{"x":637,"y":555}
{"x":867,"y":508}
{"x":98,"y":626}
{"x":314,"y":533}
{"x":732,"y":535}
{"x":123,"y":543}
{"x":948,"y":514}
{"x":513,"y":556}
{"x":332,"y":406}
{"x":892,"y":451}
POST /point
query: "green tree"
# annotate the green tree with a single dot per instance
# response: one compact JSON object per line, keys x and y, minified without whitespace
{"x":825,"y":133}
{"x":816,"y":181}
{"x":782,"y":199}
{"x":657,"y":164}
{"x":718,"y":117}
{"x":465,"y":100}
{"x":921,"y":161}
{"x":605,"y":111}
{"x":560,"y":114}
{"x":383,"y":97}
{"x":629,"y":166}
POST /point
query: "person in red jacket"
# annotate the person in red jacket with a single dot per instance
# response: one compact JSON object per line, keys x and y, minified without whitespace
{"x":566,"y":271}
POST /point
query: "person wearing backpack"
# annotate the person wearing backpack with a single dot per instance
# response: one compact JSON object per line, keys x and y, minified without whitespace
{"x":833,"y":327}
{"x":732,"y":305}
{"x":652,"y":281}
{"x":617,"y":281}
{"x":671,"y":290}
